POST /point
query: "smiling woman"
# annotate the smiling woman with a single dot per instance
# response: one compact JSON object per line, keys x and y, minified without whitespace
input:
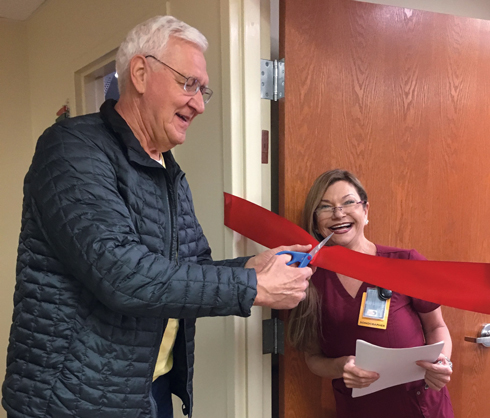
{"x":319,"y":206}
{"x":326,"y":325}
{"x":342,"y":212}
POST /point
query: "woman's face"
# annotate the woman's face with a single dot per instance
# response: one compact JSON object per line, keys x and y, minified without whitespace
{"x":347,"y":223}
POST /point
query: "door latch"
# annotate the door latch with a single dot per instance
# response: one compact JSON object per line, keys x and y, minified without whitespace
{"x":483,"y":339}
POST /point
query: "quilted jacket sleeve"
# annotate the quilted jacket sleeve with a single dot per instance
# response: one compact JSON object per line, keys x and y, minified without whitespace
{"x":75,"y":199}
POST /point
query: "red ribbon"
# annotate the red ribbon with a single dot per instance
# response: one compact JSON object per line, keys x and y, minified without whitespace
{"x":460,"y":285}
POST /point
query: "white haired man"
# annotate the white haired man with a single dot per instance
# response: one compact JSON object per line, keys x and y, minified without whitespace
{"x":113,"y":266}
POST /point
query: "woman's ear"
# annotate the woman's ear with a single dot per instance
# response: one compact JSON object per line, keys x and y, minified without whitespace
{"x":366,"y":209}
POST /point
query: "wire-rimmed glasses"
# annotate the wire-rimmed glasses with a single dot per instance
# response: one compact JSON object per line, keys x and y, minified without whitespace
{"x":327,"y":211}
{"x":191,"y":85}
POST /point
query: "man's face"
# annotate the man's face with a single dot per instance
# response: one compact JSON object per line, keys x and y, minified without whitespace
{"x":167,"y":109}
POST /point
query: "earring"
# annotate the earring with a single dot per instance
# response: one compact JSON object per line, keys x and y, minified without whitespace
{"x":367,"y":221}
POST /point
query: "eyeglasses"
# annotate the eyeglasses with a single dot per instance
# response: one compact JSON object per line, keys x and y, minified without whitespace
{"x":191,"y":85}
{"x":327,"y":211}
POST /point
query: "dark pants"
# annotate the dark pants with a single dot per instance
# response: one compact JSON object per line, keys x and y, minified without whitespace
{"x":160,"y":390}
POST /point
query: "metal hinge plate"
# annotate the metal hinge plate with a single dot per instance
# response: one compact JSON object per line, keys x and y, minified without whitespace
{"x":272,"y":79}
{"x":272,"y":336}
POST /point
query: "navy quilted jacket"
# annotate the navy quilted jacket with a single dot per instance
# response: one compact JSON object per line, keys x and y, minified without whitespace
{"x":109,"y":248}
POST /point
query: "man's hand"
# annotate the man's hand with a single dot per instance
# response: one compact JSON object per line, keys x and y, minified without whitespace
{"x":260,"y":260}
{"x":280,"y":286}
{"x":354,"y":377}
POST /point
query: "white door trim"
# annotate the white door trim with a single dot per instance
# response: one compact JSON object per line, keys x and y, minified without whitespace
{"x":248,"y":385}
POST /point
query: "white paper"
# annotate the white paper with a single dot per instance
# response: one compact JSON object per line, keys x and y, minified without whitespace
{"x":394,"y":365}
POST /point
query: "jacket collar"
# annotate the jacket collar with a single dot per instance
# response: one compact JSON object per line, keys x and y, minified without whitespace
{"x":135,"y":152}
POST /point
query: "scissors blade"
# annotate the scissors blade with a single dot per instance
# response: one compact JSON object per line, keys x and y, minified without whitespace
{"x":319,"y":246}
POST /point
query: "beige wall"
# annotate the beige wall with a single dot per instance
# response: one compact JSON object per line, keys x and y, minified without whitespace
{"x":64,"y":37}
{"x":479,"y":9}
{"x":58,"y":40}
{"x":201,"y":157}
{"x":15,"y":156}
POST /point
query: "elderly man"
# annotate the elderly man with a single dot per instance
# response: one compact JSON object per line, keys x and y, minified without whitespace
{"x":113,"y":267}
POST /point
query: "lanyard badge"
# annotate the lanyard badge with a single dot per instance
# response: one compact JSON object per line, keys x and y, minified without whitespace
{"x":375,"y":307}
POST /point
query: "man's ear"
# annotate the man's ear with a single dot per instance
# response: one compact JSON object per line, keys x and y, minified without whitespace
{"x":138,"y":73}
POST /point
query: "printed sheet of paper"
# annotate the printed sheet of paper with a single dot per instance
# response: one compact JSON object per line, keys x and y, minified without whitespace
{"x":394,"y":365}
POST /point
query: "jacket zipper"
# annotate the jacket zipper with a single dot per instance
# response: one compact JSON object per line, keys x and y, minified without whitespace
{"x":175,"y":194}
{"x":173,"y":207}
{"x":172,"y":235}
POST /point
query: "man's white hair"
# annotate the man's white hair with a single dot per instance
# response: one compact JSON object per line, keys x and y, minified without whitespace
{"x":150,"y":38}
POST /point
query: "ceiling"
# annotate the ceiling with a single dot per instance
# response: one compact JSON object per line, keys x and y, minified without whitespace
{"x":18,"y":9}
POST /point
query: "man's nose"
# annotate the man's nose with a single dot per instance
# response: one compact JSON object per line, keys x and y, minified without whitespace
{"x":197,"y":102}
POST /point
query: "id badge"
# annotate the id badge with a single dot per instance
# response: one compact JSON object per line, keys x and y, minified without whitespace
{"x":374,"y":311}
{"x":374,"y":307}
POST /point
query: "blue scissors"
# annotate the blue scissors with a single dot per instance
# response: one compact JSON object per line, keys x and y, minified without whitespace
{"x":304,"y":258}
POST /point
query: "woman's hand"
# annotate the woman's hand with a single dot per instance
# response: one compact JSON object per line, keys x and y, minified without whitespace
{"x":438,"y":374}
{"x":354,"y":377}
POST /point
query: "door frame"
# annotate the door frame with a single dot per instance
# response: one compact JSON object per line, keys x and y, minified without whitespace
{"x":244,"y":23}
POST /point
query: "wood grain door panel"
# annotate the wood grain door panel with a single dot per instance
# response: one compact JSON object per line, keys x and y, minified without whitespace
{"x":401,"y":98}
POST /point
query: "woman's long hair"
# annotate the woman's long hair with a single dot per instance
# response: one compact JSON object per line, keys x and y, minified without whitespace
{"x":305,"y":319}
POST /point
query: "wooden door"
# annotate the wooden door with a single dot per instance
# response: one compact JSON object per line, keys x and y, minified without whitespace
{"x":401,"y":98}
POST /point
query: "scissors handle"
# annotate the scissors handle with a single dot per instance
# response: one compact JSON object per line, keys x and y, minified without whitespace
{"x":297,"y":257}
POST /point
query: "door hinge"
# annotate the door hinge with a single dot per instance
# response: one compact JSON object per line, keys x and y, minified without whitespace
{"x":272,"y":79}
{"x":272,"y":336}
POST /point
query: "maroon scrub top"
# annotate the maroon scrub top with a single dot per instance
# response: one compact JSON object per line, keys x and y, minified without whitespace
{"x":340,"y":314}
